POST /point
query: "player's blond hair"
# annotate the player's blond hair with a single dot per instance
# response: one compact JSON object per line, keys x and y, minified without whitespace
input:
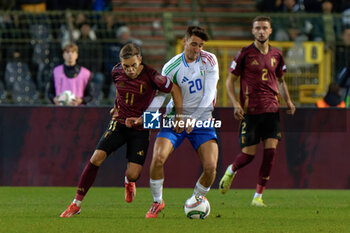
{"x":70,"y":47}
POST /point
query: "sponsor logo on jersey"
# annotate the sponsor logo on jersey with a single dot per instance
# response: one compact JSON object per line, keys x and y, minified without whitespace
{"x":184,"y":79}
{"x":255,"y":63}
{"x":140,"y":153}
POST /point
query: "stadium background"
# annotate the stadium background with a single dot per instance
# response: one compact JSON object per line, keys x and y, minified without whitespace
{"x":48,"y":146}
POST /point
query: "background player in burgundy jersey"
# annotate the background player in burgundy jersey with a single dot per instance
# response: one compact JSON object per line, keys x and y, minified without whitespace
{"x":260,"y":68}
{"x":136,"y":85}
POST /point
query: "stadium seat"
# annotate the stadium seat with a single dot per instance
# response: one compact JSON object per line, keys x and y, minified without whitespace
{"x":16,"y":71}
{"x":112,"y":93}
{"x":40,"y":40}
{"x":43,"y":76}
{"x":3,"y":94}
{"x":97,"y":94}
{"x":24,"y":92}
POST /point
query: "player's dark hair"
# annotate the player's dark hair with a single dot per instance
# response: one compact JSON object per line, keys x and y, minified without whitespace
{"x":196,"y":31}
{"x":130,"y":50}
{"x":262,"y":18}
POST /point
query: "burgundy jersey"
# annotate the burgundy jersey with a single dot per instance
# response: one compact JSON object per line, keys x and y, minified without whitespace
{"x":135,"y":95}
{"x":258,"y":76}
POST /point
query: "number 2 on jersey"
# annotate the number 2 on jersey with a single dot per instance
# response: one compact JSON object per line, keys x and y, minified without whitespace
{"x":263,"y":77}
{"x":195,"y":85}
{"x":243,"y":129}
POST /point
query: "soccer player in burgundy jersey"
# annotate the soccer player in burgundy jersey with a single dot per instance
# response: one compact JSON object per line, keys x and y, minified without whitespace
{"x":136,"y":85}
{"x":260,"y":68}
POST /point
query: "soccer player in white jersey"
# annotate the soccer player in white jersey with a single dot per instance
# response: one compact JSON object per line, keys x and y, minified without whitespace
{"x":196,"y":72}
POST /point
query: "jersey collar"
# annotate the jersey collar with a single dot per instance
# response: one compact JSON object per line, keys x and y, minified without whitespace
{"x":185,"y":62}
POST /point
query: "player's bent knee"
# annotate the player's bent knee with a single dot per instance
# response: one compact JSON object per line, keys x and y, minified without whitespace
{"x":133,"y":177}
{"x":98,"y":157}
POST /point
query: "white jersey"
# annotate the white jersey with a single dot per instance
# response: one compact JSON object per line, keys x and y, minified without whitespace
{"x":197,"y":81}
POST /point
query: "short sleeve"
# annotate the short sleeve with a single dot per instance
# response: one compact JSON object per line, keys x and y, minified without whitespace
{"x":281,"y":69}
{"x":162,"y":83}
{"x":236,"y":65}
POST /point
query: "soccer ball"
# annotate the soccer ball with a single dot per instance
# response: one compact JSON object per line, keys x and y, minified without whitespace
{"x":66,"y":97}
{"x":197,"y":207}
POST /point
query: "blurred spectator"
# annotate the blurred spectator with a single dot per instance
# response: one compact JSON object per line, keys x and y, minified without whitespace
{"x":342,"y":63}
{"x":69,"y":4}
{"x":18,"y":80}
{"x":111,"y":52}
{"x":33,"y":6}
{"x":90,"y":50}
{"x":341,"y":5}
{"x":15,"y":36}
{"x":90,"y":56}
{"x":71,"y":32}
{"x":343,"y":52}
{"x":292,"y":27}
{"x":269,"y":5}
{"x":124,"y":36}
{"x":102,"y":5}
{"x":290,"y":6}
{"x":314,"y":6}
{"x":108,"y":26}
{"x":327,"y":27}
{"x":71,"y":76}
{"x":6,"y":5}
{"x":332,"y":98}
{"x":346,"y":15}
{"x":106,"y":30}
{"x":16,"y":70}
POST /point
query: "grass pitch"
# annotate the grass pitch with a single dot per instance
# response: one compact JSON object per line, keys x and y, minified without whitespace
{"x":37,"y":209}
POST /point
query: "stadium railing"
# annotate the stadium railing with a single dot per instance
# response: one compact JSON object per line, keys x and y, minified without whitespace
{"x":39,"y":38}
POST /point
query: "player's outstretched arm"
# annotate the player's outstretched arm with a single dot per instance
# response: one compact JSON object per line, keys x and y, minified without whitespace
{"x":230,"y":81}
{"x":285,"y":95}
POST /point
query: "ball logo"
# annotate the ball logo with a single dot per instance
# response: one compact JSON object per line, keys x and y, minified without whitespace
{"x":151,"y":120}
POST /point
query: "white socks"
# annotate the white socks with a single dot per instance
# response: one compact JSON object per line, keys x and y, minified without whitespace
{"x":258,"y":195}
{"x":200,"y":189}
{"x":230,"y":171}
{"x":156,"y":187}
{"x":77,"y":202}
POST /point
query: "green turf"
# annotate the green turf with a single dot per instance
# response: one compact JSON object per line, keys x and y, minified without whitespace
{"x":27,"y":209}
